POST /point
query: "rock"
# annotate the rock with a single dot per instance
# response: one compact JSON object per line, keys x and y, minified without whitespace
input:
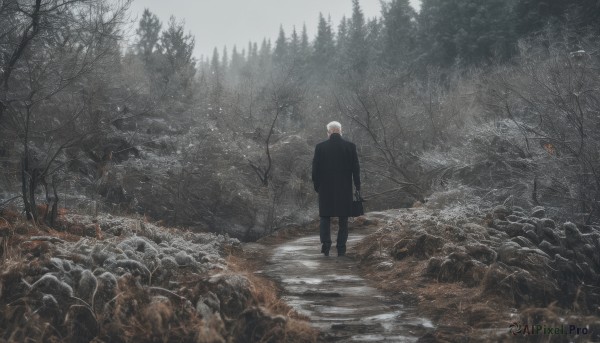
{"x":538,"y":212}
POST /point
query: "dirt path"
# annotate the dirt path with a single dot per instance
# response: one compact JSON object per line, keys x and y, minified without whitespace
{"x":338,"y":301}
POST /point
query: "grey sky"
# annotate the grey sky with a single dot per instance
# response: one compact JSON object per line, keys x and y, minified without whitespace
{"x":228,"y":22}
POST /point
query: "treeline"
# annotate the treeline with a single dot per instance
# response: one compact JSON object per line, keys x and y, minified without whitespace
{"x":411,"y":88}
{"x":462,"y":33}
{"x":446,"y":99}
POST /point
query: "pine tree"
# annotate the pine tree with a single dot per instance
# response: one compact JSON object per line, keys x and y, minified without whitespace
{"x":225,"y":60}
{"x":356,"y":50}
{"x":177,"y":65}
{"x":216,"y":81}
{"x":399,"y":41}
{"x":264,"y":55}
{"x":587,"y":13}
{"x":305,"y":50}
{"x":341,"y":41}
{"x":281,"y":48}
{"x":304,"y":43}
{"x":374,"y":28}
{"x":255,"y":51}
{"x":237,"y":62}
{"x":178,"y":47}
{"x":294,"y":46}
{"x":236,"y":58}
{"x":215,"y":65}
{"x":466,"y":31}
{"x":533,"y":15}
{"x":148,"y":35}
{"x":324,"y":47}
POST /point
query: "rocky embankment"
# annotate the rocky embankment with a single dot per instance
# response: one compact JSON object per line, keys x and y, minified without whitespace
{"x":115,"y":279}
{"x":476,"y":276}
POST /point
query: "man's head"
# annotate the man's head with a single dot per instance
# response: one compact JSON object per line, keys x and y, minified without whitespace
{"x":334,"y":127}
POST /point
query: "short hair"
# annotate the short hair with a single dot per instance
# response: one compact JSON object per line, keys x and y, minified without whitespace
{"x":334,"y":125}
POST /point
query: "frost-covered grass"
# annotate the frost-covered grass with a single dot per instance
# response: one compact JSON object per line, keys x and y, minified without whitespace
{"x":471,"y":267}
{"x":127,"y":280}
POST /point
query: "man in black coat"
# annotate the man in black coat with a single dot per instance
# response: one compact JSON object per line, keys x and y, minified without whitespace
{"x":335,"y":165}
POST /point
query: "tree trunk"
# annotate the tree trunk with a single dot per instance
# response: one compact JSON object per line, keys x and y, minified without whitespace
{"x":24,"y":184}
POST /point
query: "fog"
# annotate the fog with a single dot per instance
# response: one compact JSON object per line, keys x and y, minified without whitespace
{"x":218,"y":23}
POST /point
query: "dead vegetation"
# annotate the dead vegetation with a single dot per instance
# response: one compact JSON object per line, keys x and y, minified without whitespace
{"x":474,"y":277}
{"x":159,"y":285}
{"x":294,"y":327}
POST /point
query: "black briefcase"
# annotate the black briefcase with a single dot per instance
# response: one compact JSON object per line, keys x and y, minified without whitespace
{"x":357,"y":205}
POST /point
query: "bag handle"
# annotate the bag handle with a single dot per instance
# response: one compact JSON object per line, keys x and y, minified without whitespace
{"x":357,"y":196}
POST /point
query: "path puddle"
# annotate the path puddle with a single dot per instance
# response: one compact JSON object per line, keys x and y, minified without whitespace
{"x":330,"y":291}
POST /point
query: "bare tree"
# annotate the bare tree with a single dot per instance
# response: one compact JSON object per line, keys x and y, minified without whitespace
{"x":285,"y":93}
{"x":47,"y":50}
{"x":554,"y":103}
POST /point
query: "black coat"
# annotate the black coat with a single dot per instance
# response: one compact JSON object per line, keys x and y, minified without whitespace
{"x":335,"y":164}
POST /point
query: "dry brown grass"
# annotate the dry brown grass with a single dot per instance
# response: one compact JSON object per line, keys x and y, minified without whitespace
{"x":458,"y":309}
{"x":135,"y":313}
{"x":266,"y":292}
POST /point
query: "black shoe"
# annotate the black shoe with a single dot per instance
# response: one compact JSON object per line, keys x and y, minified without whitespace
{"x":342,"y":254}
{"x":326,"y":253}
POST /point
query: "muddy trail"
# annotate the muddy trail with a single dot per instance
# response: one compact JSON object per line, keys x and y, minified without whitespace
{"x":330,"y":291}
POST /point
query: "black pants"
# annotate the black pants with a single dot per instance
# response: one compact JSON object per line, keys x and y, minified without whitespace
{"x":342,"y":235}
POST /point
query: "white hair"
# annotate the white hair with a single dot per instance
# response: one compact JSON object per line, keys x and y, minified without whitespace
{"x":334,"y":126}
